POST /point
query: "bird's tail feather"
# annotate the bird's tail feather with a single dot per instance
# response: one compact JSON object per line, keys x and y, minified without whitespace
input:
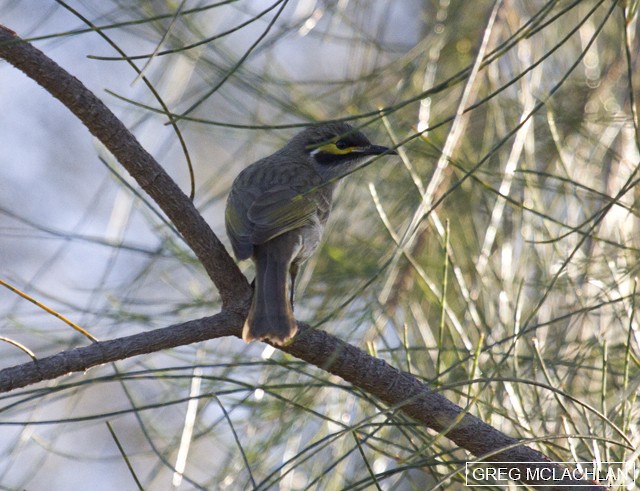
{"x":271,"y":314}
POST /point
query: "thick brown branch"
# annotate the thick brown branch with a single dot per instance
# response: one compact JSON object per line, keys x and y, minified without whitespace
{"x":405,"y":392}
{"x":400,"y":390}
{"x":81,"y":359}
{"x":105,"y":126}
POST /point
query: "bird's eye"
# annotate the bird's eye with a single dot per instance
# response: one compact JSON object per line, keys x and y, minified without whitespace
{"x":341,"y":144}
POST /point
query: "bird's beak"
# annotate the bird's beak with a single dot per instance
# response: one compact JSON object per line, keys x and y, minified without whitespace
{"x":377,"y":150}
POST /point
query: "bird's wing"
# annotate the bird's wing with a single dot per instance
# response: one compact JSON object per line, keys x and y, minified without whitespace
{"x":238,"y":228}
{"x":280,"y":210}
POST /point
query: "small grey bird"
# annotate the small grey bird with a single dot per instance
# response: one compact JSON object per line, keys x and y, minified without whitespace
{"x":276,"y":212}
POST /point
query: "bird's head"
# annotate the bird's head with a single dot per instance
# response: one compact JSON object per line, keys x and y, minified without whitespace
{"x":334,"y":149}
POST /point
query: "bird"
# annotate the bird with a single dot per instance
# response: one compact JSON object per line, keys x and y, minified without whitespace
{"x":276,"y":212}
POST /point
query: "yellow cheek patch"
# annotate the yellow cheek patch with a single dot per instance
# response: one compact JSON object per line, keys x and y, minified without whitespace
{"x":334,"y":150}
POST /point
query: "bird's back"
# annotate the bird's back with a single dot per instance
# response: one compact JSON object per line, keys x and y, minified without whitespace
{"x":272,"y":196}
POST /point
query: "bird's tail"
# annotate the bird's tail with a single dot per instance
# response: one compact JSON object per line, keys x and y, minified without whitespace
{"x":271,"y":314}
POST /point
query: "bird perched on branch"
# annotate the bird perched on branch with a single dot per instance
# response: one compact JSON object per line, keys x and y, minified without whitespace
{"x":276,"y":213}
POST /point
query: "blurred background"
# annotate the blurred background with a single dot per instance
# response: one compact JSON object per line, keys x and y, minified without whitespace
{"x":496,"y":258}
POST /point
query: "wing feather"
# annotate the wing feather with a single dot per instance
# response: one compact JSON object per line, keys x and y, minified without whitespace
{"x":278,"y":211}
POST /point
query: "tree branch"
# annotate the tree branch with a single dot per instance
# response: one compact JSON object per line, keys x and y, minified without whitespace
{"x":225,"y":323}
{"x":398,"y":389}
{"x":106,"y":127}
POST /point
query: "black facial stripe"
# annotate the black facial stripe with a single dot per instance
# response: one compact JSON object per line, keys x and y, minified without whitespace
{"x":325,"y":158}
